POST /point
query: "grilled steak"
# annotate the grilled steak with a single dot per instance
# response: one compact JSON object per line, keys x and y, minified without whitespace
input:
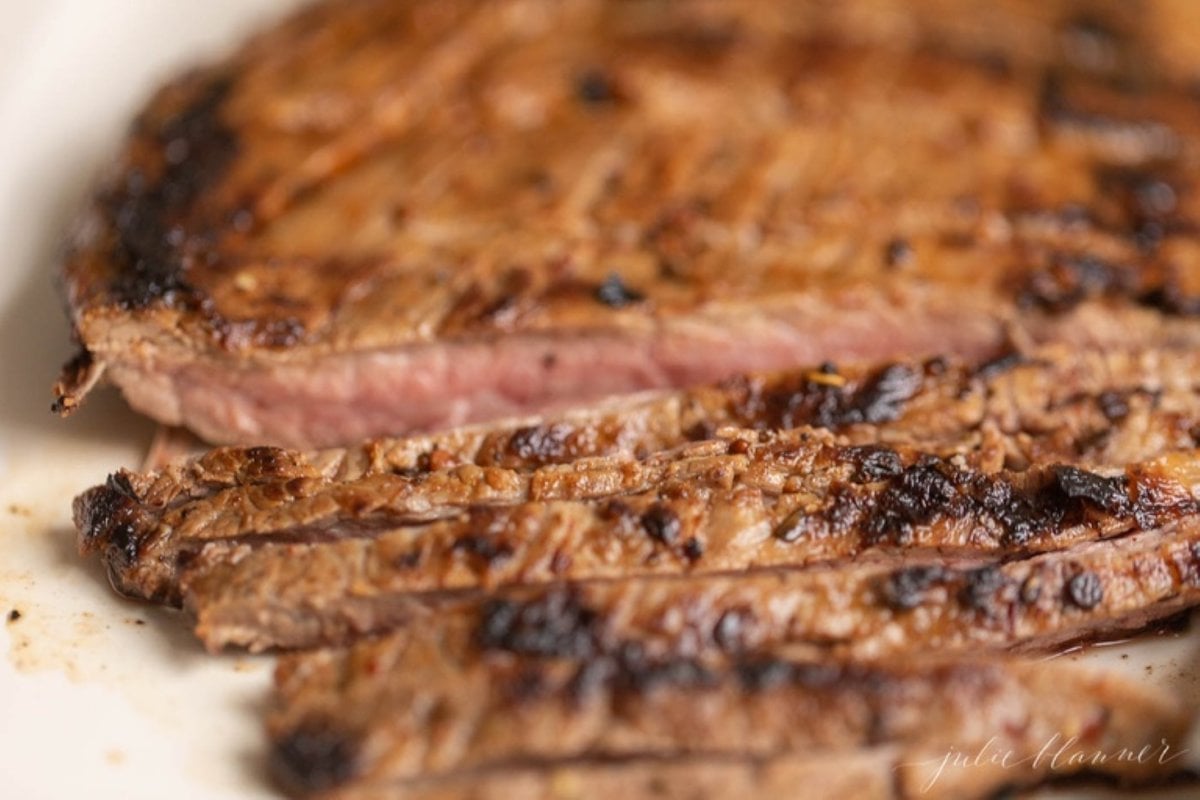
{"x":433,"y":702}
{"x":404,"y":216}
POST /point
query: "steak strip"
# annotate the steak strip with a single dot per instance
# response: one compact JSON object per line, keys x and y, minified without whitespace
{"x":919,"y":511}
{"x":724,"y":497}
{"x":434,"y":702}
{"x":1058,"y":401}
{"x":865,"y":609}
{"x":868,"y":775}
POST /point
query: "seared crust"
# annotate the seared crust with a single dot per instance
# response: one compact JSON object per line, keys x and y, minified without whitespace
{"x":375,"y":176}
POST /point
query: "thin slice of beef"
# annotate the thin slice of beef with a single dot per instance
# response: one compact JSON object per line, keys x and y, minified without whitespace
{"x":416,"y":219}
{"x":867,"y":775}
{"x":1097,"y":407}
{"x":437,"y":701}
{"x":868,"y":608}
{"x":677,"y":529}
{"x":790,"y":498}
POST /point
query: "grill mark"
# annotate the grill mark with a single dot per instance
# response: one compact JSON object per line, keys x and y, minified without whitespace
{"x":150,"y":252}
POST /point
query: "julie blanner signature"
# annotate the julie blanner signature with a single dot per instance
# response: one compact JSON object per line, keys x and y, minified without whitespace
{"x":1058,"y":753}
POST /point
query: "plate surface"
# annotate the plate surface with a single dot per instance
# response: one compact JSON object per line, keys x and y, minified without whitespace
{"x":98,"y":696}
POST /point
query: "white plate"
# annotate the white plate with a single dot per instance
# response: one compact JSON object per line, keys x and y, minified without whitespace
{"x":100,"y":697}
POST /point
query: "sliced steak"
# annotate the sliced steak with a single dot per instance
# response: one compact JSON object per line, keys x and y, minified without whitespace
{"x":438,"y":701}
{"x":791,"y":497}
{"x":874,"y":606}
{"x":925,"y":510}
{"x":1097,"y":410}
{"x":382,"y":217}
{"x":1092,"y":407}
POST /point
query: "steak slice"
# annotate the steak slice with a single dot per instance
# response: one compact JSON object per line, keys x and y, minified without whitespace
{"x":1092,"y":407}
{"x":295,"y":597}
{"x":405,"y":216}
{"x":926,"y":510}
{"x":869,"y":775}
{"x":791,"y":497}
{"x":440,"y":701}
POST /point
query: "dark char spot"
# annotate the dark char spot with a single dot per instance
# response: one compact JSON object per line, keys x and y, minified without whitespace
{"x":1085,"y":590}
{"x":919,"y":494}
{"x":662,"y":524}
{"x":1000,"y":365}
{"x":615,"y":294}
{"x":627,"y":668}
{"x":486,"y":548}
{"x":874,"y":462}
{"x":197,"y":146}
{"x":554,"y":624}
{"x":905,"y":589}
{"x":313,"y":758}
{"x":14,"y":615}
{"x":1109,"y":494}
{"x":645,"y":676}
{"x":883,"y":398}
{"x":542,"y":444}
{"x":762,"y":674}
{"x":1113,"y":406}
{"x":980,"y":587}
{"x":595,"y":87}
{"x":1072,"y":279}
{"x":897,"y":253}
{"x":107,"y":516}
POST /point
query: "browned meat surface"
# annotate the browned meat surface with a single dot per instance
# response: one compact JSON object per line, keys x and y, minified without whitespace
{"x":866,"y":775}
{"x":925,"y":510}
{"x":849,"y":776}
{"x":436,"y":701}
{"x":297,"y":597}
{"x":719,"y":499}
{"x":404,"y":216}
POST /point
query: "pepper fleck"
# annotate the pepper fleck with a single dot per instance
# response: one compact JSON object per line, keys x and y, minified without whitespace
{"x":662,"y":524}
{"x":897,"y":253}
{"x":595,"y":87}
{"x":615,"y":294}
{"x":1085,"y":590}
